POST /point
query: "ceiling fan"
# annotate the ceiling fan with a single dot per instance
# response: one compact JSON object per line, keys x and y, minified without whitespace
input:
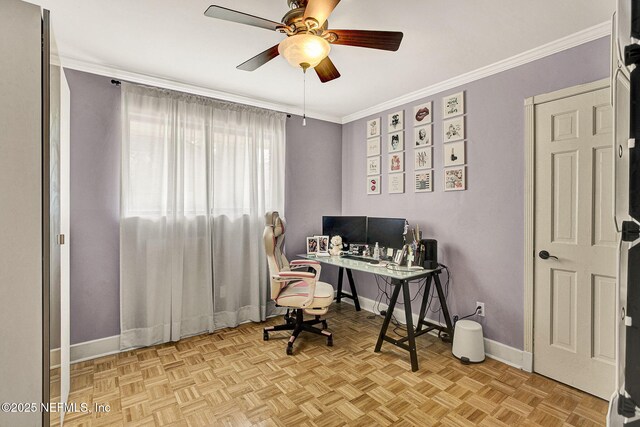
{"x":309,"y":40}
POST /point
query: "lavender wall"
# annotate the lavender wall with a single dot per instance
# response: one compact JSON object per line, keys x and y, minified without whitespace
{"x":95,"y":204}
{"x":313,"y":178}
{"x":313,"y":182}
{"x":480,"y":231}
{"x":95,"y":207}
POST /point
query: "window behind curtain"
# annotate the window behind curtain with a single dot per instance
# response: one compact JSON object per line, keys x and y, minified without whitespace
{"x":189,"y":157}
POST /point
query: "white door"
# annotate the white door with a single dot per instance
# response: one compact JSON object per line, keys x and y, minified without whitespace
{"x":575,"y":294}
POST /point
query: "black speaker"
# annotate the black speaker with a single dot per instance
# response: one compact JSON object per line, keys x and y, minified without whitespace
{"x":430,"y":253}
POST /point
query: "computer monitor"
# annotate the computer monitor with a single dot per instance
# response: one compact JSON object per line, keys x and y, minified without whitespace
{"x":352,"y":229}
{"x":388,"y":232}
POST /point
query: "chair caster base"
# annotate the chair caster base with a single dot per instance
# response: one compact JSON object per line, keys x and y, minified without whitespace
{"x":289,"y":350}
{"x":330,"y":342}
{"x":265,"y":336}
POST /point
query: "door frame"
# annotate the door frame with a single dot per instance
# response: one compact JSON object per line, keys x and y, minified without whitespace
{"x":529,"y":202}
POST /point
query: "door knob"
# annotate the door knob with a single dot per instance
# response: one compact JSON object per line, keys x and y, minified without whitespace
{"x":546,"y":255}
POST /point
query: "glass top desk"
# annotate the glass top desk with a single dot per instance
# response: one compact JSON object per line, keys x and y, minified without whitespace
{"x":400,"y":280}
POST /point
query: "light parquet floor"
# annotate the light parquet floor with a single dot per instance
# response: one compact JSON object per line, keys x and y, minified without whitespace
{"x":234,"y":378}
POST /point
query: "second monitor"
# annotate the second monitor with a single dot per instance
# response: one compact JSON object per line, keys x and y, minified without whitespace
{"x":387,"y":232}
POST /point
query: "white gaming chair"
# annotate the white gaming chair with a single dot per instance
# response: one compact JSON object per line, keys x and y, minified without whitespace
{"x":297,"y":290}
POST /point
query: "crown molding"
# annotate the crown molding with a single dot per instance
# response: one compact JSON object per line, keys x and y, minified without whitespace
{"x":573,"y":40}
{"x":161,"y":82}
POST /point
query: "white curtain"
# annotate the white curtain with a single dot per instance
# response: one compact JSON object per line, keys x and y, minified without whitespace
{"x":197,"y":177}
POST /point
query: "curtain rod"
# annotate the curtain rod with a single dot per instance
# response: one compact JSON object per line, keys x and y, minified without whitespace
{"x":118,"y":83}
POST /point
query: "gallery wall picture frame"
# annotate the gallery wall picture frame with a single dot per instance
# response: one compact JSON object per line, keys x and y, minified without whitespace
{"x":373,"y":127}
{"x":454,"y":154}
{"x":396,"y":183}
{"x":396,"y":121}
{"x":373,"y":166}
{"x":312,"y":245}
{"x":396,"y":162}
{"x":423,"y":113}
{"x":423,"y":135}
{"x":423,"y":181}
{"x":453,"y":129}
{"x":455,"y":179}
{"x":423,"y":158}
{"x":373,"y":147}
{"x":373,"y":185}
{"x":395,"y":142}
{"x":453,"y":105}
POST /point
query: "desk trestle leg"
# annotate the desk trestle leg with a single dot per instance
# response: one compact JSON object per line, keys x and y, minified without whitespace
{"x":352,"y":285}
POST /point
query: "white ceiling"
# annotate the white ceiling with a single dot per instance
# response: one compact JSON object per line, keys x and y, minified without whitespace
{"x":442,"y":39}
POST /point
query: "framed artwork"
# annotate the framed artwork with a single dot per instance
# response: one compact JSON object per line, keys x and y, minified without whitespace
{"x":312,"y":245}
{"x":423,"y":113}
{"x":323,"y":244}
{"x":453,"y":129}
{"x":453,"y":105}
{"x":396,"y":183}
{"x":396,"y":121}
{"x":424,"y":182}
{"x":373,"y":166}
{"x":373,"y":128}
{"x":422,"y":135}
{"x":373,"y":147}
{"x":395,"y":142}
{"x":373,"y":185}
{"x":455,"y":179}
{"x":396,"y":162}
{"x":423,"y":158}
{"x":454,"y":154}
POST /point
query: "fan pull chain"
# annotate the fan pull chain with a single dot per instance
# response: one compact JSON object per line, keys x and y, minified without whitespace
{"x":304,"y":97}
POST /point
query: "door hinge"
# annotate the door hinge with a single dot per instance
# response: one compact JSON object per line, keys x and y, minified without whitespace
{"x":630,"y":231}
{"x":60,"y":239}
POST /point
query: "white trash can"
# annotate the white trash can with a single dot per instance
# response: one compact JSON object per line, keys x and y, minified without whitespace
{"x":468,"y":342}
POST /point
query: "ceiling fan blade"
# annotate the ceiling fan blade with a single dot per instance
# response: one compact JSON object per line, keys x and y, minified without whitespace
{"x":327,"y":71}
{"x":320,"y":9}
{"x":241,"y":18}
{"x":259,"y":60}
{"x":383,"y":40}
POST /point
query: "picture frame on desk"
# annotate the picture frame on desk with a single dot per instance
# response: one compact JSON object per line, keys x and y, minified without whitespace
{"x":312,"y":245}
{"x":323,"y":245}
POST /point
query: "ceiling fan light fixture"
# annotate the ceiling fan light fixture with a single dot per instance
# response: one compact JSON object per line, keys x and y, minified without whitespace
{"x":307,"y":49}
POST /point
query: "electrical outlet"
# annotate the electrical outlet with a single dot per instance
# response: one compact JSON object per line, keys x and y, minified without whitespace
{"x":480,"y":307}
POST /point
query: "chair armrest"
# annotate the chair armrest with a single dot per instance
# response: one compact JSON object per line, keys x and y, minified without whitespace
{"x":299,"y":263}
{"x":307,"y":277}
{"x":293,"y":275}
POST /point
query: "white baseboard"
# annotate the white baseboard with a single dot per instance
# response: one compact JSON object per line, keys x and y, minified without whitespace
{"x":111,"y":345}
{"x":493,"y":349}
{"x":88,"y":350}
